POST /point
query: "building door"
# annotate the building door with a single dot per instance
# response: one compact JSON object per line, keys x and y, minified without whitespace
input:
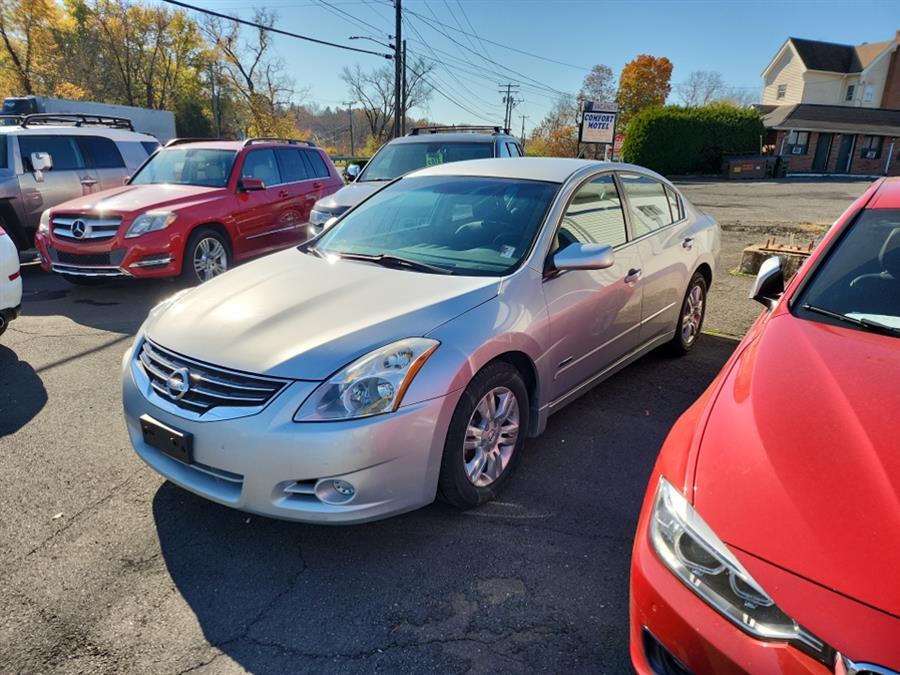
{"x":845,"y":154}
{"x":823,"y":150}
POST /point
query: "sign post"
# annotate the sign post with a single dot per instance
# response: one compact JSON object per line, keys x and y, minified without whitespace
{"x":598,"y":124}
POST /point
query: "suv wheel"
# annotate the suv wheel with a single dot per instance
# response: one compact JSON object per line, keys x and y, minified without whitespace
{"x":206,"y":255}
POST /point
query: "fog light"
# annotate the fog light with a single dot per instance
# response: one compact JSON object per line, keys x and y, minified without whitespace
{"x":343,"y":487}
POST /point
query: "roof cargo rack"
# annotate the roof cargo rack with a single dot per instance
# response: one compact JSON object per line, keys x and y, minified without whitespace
{"x":464,"y":129}
{"x":276,"y":139}
{"x":190,"y":139}
{"x":77,"y":120}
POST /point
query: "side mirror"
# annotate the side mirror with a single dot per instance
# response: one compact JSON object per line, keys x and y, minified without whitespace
{"x":248,"y":184}
{"x":328,"y":223}
{"x":353,"y":172}
{"x":769,"y":284}
{"x":584,"y":257}
{"x":41,"y":161}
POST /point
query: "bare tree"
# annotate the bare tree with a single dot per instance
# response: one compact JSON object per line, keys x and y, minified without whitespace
{"x":374,"y":89}
{"x":743,"y":97}
{"x":701,"y":87}
{"x":598,"y":85}
{"x":253,"y":73}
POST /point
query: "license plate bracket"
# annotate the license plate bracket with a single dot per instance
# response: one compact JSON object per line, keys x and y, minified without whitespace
{"x":168,"y":440}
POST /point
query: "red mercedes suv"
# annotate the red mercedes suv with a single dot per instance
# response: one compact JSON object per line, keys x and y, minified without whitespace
{"x":192,"y":209}
{"x":769,"y":540}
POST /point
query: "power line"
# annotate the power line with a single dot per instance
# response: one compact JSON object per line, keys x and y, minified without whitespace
{"x":271,"y":29}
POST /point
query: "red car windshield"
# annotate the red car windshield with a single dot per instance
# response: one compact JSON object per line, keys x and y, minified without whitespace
{"x":187,"y":166}
{"x":858,"y":283}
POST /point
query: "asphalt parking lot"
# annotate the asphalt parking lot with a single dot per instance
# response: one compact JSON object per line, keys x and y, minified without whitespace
{"x":108,"y":568}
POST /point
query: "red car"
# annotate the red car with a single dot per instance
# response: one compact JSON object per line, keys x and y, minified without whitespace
{"x":769,"y":540}
{"x":192,"y":209}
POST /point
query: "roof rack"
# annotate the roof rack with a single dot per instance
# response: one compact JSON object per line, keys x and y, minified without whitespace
{"x":192,"y":139}
{"x":470,"y":129}
{"x":276,"y":139}
{"x":77,"y":120}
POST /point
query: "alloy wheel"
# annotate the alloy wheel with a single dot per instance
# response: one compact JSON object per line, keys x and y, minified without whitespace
{"x":491,"y":436}
{"x":210,"y":258}
{"x":692,"y":315}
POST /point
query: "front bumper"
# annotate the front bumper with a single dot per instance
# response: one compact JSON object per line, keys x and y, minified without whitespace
{"x":270,"y":465}
{"x":694,"y":634}
{"x":156,"y":254}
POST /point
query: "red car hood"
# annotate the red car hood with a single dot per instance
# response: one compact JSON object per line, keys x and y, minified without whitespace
{"x":139,"y":198}
{"x":800,"y":460}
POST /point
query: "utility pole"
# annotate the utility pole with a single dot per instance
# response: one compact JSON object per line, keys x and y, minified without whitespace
{"x":404,"y":94}
{"x":522,"y":137}
{"x":511,"y":102}
{"x":398,"y":65}
{"x":349,"y":105}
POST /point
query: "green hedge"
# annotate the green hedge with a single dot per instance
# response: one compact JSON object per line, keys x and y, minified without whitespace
{"x":677,"y":140}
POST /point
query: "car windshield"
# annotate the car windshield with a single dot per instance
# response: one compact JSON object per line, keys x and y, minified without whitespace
{"x":397,"y":159}
{"x":859,"y":282}
{"x":187,"y":166}
{"x":464,"y":225}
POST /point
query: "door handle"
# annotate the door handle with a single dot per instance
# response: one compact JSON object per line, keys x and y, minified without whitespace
{"x":317,"y":185}
{"x":633,"y":276}
{"x":283,"y":193}
{"x":688,"y":243}
{"x":88,"y":181}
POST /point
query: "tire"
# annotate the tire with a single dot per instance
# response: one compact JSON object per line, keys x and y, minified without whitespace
{"x":207,"y":255}
{"x":461,"y":482}
{"x":79,"y":280}
{"x":690,"y":318}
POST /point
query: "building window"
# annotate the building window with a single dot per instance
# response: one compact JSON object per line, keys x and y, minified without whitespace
{"x":871,"y":147}
{"x":850,"y":89}
{"x":798,"y":142}
{"x":782,"y":90}
{"x":868,"y":93}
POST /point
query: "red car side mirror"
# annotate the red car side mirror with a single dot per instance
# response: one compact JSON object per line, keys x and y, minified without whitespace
{"x":249,"y":184}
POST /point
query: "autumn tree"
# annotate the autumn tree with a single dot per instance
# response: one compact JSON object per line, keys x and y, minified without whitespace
{"x":598,"y":85}
{"x":27,"y":47}
{"x":644,"y":82}
{"x":557,"y":134}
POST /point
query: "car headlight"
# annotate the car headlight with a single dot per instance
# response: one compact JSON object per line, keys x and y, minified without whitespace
{"x":370,"y":385}
{"x":150,"y":222}
{"x":44,"y":224}
{"x":319,"y":218}
{"x":693,"y":552}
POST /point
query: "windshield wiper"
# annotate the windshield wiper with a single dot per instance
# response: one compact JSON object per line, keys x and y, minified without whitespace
{"x":864,"y":323}
{"x":395,"y":261}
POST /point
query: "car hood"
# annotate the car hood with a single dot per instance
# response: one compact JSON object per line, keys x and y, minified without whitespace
{"x":298,"y":316}
{"x":139,"y":198}
{"x":349,"y":195}
{"x":800,"y":460}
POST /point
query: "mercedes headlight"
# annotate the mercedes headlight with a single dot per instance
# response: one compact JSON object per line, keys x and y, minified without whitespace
{"x":693,"y":552}
{"x":44,"y":224}
{"x":150,"y":222}
{"x":370,"y":385}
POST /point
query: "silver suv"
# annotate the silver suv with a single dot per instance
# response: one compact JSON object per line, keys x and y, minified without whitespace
{"x":421,"y":147}
{"x":48,"y":159}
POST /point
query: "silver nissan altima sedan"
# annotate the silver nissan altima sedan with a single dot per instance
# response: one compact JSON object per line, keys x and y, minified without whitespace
{"x":409,"y":350}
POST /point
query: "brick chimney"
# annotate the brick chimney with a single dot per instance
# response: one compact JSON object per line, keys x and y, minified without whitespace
{"x":891,"y":96}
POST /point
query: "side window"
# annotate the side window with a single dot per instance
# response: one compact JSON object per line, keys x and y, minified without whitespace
{"x":63,"y":149}
{"x":648,"y":202}
{"x":503,"y":150}
{"x":318,"y":164}
{"x":675,"y":206}
{"x":150,"y":146}
{"x":594,"y":215}
{"x":100,"y":152}
{"x":3,"y":150}
{"x":293,"y":169}
{"x":261,"y":164}
{"x":514,"y":149}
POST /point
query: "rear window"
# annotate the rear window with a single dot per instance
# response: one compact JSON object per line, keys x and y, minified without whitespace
{"x":648,"y":201}
{"x":293,"y":168}
{"x":150,"y":146}
{"x":400,"y":158}
{"x":100,"y":152}
{"x":63,"y":151}
{"x":318,"y":164}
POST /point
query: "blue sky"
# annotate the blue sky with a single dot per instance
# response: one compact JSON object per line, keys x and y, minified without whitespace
{"x":734,"y":37}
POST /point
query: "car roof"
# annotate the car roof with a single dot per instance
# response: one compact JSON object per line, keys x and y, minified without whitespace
{"x":451,"y":137}
{"x":549,"y":169}
{"x":239,"y":145}
{"x":887,"y":196}
{"x":58,"y":129}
